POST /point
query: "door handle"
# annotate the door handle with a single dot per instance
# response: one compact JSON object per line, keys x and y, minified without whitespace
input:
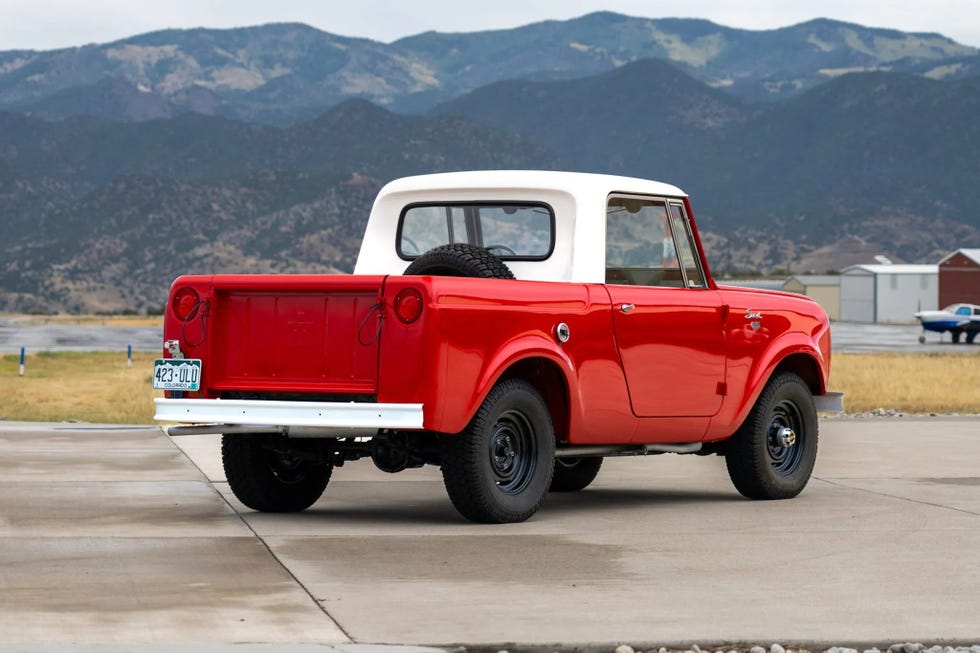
{"x":626,"y":308}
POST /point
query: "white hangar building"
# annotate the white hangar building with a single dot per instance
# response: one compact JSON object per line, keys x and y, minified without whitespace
{"x":887,"y":293}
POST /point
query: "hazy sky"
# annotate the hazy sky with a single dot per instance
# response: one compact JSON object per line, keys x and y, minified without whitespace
{"x":48,"y":24}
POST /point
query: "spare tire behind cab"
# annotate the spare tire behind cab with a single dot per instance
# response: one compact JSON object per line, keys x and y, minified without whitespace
{"x":459,"y":260}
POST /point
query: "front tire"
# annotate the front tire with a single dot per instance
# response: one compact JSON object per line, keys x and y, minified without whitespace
{"x":772,"y":454}
{"x":267,"y":476}
{"x":499,"y":468}
{"x":574,"y":474}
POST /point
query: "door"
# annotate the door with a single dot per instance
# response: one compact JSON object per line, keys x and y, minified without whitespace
{"x":668,"y":323}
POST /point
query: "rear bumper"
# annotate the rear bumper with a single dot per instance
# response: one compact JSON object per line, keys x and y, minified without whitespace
{"x":831,"y":402}
{"x":294,"y":418}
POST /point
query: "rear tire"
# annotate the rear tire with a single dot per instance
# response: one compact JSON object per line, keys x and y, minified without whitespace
{"x":574,"y":474}
{"x":772,"y":454}
{"x":499,"y":468}
{"x":269,"y":478}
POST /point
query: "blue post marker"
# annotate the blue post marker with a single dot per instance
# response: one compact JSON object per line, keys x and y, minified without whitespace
{"x":129,"y":355}
{"x":22,"y":361}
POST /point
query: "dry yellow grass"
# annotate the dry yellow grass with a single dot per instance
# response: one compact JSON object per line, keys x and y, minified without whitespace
{"x":99,"y":387}
{"x":88,"y":387}
{"x":910,"y":383}
{"x":103,"y":320}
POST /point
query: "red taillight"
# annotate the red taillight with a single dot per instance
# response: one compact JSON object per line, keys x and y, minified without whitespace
{"x":185,"y":303}
{"x":408,"y":305}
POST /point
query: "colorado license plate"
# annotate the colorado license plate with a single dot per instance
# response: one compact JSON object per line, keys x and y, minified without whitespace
{"x":177,"y":374}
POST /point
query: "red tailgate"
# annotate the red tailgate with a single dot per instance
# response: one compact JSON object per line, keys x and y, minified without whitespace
{"x":311,"y":334}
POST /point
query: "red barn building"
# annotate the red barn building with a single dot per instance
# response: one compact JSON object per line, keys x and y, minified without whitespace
{"x":959,"y":278}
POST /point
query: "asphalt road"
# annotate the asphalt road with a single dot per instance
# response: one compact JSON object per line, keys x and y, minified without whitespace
{"x":61,"y":336}
{"x":119,"y":538}
{"x":847,"y":337}
{"x":853,"y":337}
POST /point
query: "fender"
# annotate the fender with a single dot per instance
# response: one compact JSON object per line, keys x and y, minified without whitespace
{"x":455,"y":415}
{"x":737,"y":406}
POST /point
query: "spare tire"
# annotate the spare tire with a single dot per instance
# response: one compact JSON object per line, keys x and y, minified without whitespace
{"x":459,"y":260}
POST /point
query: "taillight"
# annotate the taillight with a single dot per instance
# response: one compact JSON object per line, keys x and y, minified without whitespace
{"x":408,"y":305}
{"x":185,"y":303}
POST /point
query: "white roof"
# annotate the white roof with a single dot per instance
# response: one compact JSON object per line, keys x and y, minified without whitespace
{"x":575,"y":183}
{"x":972,"y":254}
{"x":893,"y":269}
{"x":578,"y":201}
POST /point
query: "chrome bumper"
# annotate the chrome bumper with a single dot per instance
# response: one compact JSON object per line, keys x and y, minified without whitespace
{"x":292,"y":418}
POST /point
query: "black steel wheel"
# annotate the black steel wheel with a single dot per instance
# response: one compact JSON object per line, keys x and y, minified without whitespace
{"x":459,"y":260}
{"x":272,"y":476}
{"x":574,"y":474}
{"x":772,"y":454}
{"x":499,"y":468}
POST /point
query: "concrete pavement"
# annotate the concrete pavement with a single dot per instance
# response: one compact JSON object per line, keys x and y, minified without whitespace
{"x":115,"y":536}
{"x":112,"y":536}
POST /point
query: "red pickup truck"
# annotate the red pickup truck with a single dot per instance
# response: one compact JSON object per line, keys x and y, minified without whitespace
{"x":512,"y":328}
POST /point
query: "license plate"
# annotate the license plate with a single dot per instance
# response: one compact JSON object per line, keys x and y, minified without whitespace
{"x":177,"y":374}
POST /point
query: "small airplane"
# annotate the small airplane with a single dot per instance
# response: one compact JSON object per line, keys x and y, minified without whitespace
{"x":958,"y":319}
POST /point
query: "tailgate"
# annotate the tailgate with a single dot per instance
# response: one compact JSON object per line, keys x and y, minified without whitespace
{"x":305,"y":334}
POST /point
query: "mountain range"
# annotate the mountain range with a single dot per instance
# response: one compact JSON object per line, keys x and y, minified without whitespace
{"x":284,"y":73}
{"x":260,"y":149}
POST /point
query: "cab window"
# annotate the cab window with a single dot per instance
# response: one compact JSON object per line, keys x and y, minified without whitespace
{"x":646,"y":245}
{"x":510,"y":231}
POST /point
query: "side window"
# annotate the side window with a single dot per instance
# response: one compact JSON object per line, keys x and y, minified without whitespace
{"x":685,"y":247}
{"x":640,"y":247}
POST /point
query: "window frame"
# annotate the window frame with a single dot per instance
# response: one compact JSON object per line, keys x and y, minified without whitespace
{"x":692,"y":241}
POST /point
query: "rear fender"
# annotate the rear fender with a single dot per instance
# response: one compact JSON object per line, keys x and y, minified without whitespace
{"x":518,"y":357}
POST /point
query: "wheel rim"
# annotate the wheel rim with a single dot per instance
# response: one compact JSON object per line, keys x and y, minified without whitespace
{"x":785,"y":438}
{"x":285,"y":468}
{"x":513,"y":452}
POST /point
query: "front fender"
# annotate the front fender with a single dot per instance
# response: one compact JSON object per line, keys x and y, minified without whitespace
{"x":794,"y":351}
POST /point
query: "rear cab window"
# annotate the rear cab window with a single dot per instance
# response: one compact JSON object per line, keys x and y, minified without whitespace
{"x":649,"y":242}
{"x":511,"y":231}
